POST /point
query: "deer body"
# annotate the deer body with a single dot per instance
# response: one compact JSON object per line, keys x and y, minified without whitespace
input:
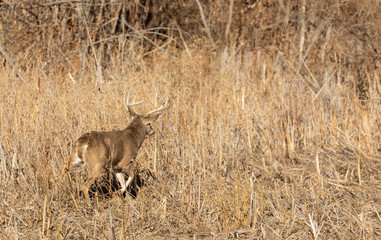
{"x":115,"y":149}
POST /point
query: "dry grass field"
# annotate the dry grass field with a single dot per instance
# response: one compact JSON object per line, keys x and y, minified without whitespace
{"x":260,"y":143}
{"x":234,"y":156}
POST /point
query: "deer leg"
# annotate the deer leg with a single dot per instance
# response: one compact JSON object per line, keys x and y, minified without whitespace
{"x":93,"y":175}
{"x":127,"y":169}
{"x":122,"y":181}
{"x":131,"y":176}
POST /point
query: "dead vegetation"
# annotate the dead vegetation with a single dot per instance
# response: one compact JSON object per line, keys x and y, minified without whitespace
{"x":274,"y":128}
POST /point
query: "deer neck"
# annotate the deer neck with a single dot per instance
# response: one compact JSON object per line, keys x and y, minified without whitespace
{"x":137,"y":130}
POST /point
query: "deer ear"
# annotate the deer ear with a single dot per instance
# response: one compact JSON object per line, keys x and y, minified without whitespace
{"x":151,"y":118}
{"x":132,"y":113}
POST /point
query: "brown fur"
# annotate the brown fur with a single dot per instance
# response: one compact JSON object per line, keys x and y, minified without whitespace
{"x":115,"y":149}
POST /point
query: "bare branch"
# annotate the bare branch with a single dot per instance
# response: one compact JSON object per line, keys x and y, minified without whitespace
{"x":207,"y":29}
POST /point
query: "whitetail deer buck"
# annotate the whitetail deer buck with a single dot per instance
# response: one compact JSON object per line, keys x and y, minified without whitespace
{"x":115,"y":149}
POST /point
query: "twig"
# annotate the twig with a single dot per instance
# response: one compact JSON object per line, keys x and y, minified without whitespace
{"x":98,"y":70}
{"x":44,"y":214}
{"x":229,"y":20}
{"x":10,"y":62}
{"x":147,"y":39}
{"x":207,"y":29}
{"x":111,"y":226}
{"x":185,"y":44}
{"x":302,"y":31}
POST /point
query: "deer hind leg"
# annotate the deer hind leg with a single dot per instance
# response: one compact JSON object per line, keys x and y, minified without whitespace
{"x":93,"y":175}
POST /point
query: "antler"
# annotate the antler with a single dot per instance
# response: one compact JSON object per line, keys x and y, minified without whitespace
{"x":126,"y":100}
{"x":161,"y":108}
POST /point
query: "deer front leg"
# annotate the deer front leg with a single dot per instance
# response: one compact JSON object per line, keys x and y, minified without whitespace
{"x":131,"y":176}
{"x":122,"y":181}
{"x":127,"y":169}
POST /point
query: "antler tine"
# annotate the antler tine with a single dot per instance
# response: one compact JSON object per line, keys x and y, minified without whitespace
{"x":126,"y":100}
{"x":161,"y":108}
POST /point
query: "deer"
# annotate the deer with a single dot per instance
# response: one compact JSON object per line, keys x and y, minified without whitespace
{"x":116,"y":149}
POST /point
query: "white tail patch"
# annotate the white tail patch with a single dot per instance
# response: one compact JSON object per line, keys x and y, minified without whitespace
{"x":79,"y":156}
{"x":77,"y":160}
{"x":84,"y":148}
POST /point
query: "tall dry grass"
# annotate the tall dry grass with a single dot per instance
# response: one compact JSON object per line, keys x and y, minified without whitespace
{"x":273,"y":132}
{"x":248,"y":149}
